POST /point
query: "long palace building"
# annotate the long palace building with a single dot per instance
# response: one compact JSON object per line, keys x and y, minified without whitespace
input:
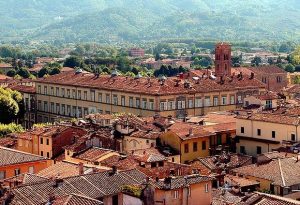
{"x":76,"y":94}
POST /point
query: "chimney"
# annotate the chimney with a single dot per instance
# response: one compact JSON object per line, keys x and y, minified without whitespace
{"x":80,"y":168}
{"x":114,"y":170}
{"x":190,"y":131}
{"x":252,"y":75}
{"x":241,"y":75}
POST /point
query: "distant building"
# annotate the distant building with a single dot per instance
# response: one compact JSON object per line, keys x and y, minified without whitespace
{"x":5,"y":67}
{"x":137,"y":52}
{"x":223,"y":59}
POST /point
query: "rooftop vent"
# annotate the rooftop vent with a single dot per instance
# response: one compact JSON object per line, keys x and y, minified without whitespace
{"x":114,"y":73}
{"x":79,"y":70}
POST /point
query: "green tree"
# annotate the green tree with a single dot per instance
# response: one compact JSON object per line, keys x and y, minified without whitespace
{"x":55,"y":71}
{"x":296,"y":56}
{"x":23,"y":72}
{"x":73,"y":62}
{"x":290,"y":68}
{"x":11,"y":73}
{"x":256,"y":61}
{"x":11,"y":105}
{"x":6,"y":129}
{"x":44,"y":71}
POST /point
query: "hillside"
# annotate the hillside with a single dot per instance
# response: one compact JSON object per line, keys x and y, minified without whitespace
{"x":136,"y":20}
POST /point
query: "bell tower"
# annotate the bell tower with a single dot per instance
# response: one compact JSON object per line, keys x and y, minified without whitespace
{"x":222,"y":59}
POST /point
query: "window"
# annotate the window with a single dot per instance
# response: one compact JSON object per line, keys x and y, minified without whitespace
{"x":273,"y":134}
{"x":195,"y":146}
{"x":123,"y":100}
{"x":216,"y":100}
{"x":258,"y":150}
{"x":144,"y":103}
{"x":39,"y":105}
{"x":224,"y":100}
{"x":264,"y":79}
{"x":242,"y":150}
{"x":206,"y":188}
{"x":92,"y":95}
{"x":52,"y":107}
{"x":100,"y":97}
{"x":239,"y":99}
{"x":293,"y":137}
{"x":84,"y":95}
{"x":41,"y":141}
{"x":63,"y":109}
{"x":31,"y":169}
{"x":151,"y":104}
{"x":47,"y":141}
{"x":130,"y":101}
{"x":17,"y":172}
{"x":45,"y":90}
{"x":190,"y":103}
{"x":63,"y":92}
{"x":115,"y":99}
{"x":68,"y":93}
{"x":207,"y":101}
{"x":279,"y":79}
{"x":242,"y":130}
{"x":74,"y":111}
{"x":186,"y":148}
{"x":171,"y":105}
{"x":57,"y":91}
{"x":203,"y":145}
{"x":57,"y":108}
{"x":2,"y":174}
{"x":79,"y":94}
{"x":74,"y":94}
{"x":176,"y":194}
{"x":137,"y":102}
{"x":68,"y":110}
{"x":39,"y":89}
{"x":232,"y":100}
{"x":219,"y":139}
{"x":51,"y":91}
{"x":268,"y":104}
{"x":258,"y":132}
{"x":45,"y":106}
{"x":107,"y":99}
{"x":48,"y":155}
{"x":163,"y":106}
{"x":198,"y":102}
{"x":181,"y":104}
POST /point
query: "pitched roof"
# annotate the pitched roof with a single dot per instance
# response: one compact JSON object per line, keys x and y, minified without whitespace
{"x":75,"y":199}
{"x":283,"y":172}
{"x":229,"y":161}
{"x":272,"y":118}
{"x":93,"y":154}
{"x":270,"y":69}
{"x":183,"y":129}
{"x":94,"y":185}
{"x":23,"y":88}
{"x":149,"y":86}
{"x":11,"y":156}
{"x":180,"y":181}
{"x":64,"y":169}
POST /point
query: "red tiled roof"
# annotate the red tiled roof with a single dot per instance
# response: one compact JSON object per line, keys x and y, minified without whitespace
{"x":272,"y":118}
{"x":271,"y":69}
{"x":149,"y":86}
{"x":92,"y":154}
{"x":5,"y":65}
{"x":75,"y":199}
{"x":23,"y":88}
{"x":182,"y":130}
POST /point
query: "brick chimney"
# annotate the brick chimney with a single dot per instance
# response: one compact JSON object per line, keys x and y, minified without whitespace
{"x":80,"y":168}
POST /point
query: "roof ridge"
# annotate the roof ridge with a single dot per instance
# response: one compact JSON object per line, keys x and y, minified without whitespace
{"x":281,"y":173}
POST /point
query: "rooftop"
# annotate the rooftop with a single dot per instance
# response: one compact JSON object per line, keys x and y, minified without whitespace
{"x":150,"y":86}
{"x":10,"y":156}
{"x":94,"y":185}
{"x":75,"y":199}
{"x":282,"y":172}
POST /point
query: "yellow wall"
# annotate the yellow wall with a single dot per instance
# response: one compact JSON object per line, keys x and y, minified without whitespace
{"x":171,"y":139}
{"x":134,"y":143}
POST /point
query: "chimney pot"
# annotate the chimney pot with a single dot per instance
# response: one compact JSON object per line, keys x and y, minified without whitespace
{"x":80,"y":168}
